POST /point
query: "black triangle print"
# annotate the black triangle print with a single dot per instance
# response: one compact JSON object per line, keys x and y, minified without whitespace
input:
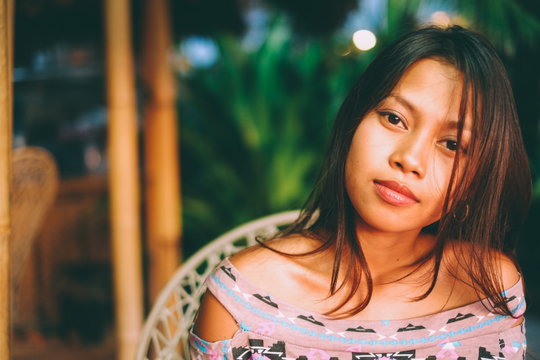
{"x":311,"y":319}
{"x":360,"y":329}
{"x":266,"y":299}
{"x":229,"y":273}
{"x":459,"y":317}
{"x":483,"y":354}
{"x":411,"y":327}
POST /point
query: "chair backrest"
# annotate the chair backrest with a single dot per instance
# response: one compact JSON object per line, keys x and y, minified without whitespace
{"x":165,"y":333}
{"x":34,"y":188}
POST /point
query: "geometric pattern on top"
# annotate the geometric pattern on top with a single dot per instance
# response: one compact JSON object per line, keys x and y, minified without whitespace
{"x":273,"y":329}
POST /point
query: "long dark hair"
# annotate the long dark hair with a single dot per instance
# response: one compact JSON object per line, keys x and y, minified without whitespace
{"x":486,"y":206}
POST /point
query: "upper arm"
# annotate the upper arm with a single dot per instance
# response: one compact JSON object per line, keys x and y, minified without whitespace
{"x":213,"y":321}
{"x":510,"y":276}
{"x":509,"y":272}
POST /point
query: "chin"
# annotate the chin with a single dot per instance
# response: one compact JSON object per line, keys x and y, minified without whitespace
{"x":393,"y":222}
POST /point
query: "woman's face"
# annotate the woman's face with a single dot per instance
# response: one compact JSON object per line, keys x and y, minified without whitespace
{"x":402,"y":153}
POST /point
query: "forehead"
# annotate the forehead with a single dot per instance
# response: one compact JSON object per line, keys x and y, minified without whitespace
{"x":431,"y":89}
{"x":431,"y":77}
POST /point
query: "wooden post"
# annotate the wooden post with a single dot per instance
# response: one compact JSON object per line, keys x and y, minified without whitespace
{"x":6,"y":66}
{"x":123,"y":178}
{"x":163,"y":209}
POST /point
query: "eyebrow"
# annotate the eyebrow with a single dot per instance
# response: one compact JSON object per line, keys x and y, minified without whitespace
{"x":450,"y":124}
{"x":403,"y":102}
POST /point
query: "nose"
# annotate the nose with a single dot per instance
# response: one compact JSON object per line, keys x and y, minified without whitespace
{"x":411,"y":157}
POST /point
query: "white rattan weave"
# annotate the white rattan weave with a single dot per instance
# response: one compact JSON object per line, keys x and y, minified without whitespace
{"x":165,"y":332}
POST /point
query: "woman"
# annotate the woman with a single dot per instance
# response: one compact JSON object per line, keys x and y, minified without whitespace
{"x":406,"y":246}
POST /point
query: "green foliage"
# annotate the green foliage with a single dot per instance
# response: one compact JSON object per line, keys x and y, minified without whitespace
{"x":506,"y":22}
{"x":254,"y":127}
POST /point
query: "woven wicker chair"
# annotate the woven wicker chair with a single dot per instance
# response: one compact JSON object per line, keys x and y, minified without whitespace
{"x":164,"y":335}
{"x":34,"y":188}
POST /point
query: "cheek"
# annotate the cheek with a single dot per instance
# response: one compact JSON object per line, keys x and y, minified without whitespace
{"x":353,"y":172}
{"x":439,"y":181}
{"x":363,"y":154}
{"x":463,"y":175}
{"x":370,"y":144}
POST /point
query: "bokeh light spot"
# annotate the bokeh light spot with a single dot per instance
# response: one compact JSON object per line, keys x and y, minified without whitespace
{"x":364,"y":39}
{"x":440,"y":18}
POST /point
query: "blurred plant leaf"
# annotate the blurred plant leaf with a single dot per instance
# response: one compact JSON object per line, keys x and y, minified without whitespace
{"x":504,"y":22}
{"x":255,"y":125}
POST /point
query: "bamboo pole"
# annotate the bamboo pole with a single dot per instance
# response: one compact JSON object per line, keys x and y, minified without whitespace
{"x":123,"y":179}
{"x":163,"y":210}
{"x":6,"y":51}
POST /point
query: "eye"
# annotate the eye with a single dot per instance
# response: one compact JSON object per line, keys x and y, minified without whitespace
{"x":451,"y":145}
{"x":393,"y":119}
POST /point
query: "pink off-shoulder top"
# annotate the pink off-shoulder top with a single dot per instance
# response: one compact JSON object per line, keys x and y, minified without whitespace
{"x":275,"y":330}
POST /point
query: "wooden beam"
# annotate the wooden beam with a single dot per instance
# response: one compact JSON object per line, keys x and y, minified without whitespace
{"x":123,"y":176}
{"x":162,"y":187}
{"x":6,"y":129}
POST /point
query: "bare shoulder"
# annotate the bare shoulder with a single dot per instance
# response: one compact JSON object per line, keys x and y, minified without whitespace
{"x":290,"y":278}
{"x":456,"y":254}
{"x":293,"y":279}
{"x":259,"y":259}
{"x":509,"y":271}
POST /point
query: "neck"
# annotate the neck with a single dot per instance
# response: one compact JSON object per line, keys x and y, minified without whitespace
{"x":391,"y":255}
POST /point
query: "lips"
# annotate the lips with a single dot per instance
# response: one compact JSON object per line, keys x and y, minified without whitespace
{"x":395,"y":193}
